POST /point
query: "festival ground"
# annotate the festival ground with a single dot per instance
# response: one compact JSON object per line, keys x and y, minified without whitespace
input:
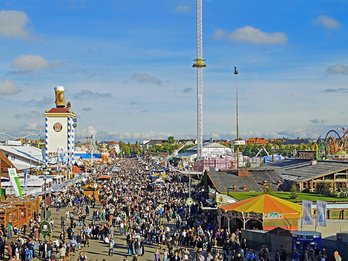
{"x":98,"y":251}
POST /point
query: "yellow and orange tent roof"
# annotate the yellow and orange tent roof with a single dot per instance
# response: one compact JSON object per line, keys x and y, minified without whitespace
{"x":264,"y":204}
{"x":104,"y":177}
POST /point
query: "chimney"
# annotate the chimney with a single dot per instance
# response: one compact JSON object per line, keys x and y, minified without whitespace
{"x":243,"y":173}
{"x":313,"y":162}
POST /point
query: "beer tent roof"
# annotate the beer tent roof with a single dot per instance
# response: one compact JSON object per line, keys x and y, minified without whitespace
{"x":5,"y":163}
{"x":264,"y":204}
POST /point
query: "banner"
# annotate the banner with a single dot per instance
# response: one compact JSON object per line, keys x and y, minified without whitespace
{"x":25,"y":173}
{"x":307,"y":218}
{"x":2,"y":194}
{"x":321,"y":213}
{"x":15,"y":181}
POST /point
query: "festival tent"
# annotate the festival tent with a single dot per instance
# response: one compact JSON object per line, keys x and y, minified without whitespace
{"x":104,"y":177}
{"x":271,"y":211}
{"x":76,"y":170}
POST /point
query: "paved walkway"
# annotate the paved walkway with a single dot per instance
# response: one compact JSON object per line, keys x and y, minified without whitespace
{"x":97,"y":249}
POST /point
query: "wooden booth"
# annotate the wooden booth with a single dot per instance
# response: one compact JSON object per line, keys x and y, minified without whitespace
{"x":92,"y":191}
{"x":8,"y":214}
{"x":19,"y":211}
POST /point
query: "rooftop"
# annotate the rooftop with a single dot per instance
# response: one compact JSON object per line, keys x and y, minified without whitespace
{"x":304,"y":170}
{"x":222,"y":181}
{"x":59,"y":110}
{"x":209,"y":145}
{"x":29,"y":153}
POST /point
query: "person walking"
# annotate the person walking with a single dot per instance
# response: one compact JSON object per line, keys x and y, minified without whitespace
{"x":282,"y":253}
{"x":111,"y":247}
{"x":9,"y":230}
{"x":157,"y":255}
{"x":337,"y":256}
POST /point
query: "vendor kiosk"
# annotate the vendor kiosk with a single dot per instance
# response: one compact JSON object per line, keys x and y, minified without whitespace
{"x":304,"y":242}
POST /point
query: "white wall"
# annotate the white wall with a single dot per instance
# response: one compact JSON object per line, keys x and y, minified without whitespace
{"x":215,"y":152}
{"x":57,"y":139}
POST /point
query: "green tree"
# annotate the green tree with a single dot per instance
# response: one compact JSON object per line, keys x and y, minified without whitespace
{"x":137,"y":149}
{"x":125,"y":148}
{"x":293,"y":192}
{"x":171,"y":140}
{"x":323,"y":189}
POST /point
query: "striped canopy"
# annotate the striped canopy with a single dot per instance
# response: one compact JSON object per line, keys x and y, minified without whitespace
{"x":265,"y":204}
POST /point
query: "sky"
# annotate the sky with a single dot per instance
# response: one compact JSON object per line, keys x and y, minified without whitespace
{"x":127,"y":66}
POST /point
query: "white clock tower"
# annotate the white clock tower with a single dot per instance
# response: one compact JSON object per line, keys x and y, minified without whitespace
{"x":60,"y":123}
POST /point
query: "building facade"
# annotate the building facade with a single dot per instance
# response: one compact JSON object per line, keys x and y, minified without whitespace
{"x":60,"y":124}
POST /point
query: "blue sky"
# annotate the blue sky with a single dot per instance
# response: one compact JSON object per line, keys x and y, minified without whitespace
{"x":126,"y":66}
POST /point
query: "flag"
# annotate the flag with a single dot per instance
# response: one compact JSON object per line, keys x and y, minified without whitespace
{"x":321,"y":213}
{"x":2,"y":194}
{"x":15,"y":181}
{"x":307,"y":218}
{"x":25,"y":173}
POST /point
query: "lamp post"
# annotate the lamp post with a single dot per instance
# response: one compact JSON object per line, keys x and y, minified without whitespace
{"x":189,"y":200}
{"x":235,"y":72}
{"x":45,"y":184}
{"x":190,"y":190}
{"x":0,"y":174}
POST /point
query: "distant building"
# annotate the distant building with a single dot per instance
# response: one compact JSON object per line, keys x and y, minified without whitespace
{"x":152,"y":143}
{"x":307,"y":154}
{"x":276,"y":140}
{"x":243,"y":180}
{"x":257,"y":141}
{"x":213,"y":156}
{"x":23,"y":157}
{"x":307,"y":174}
{"x":60,"y":127}
{"x":187,"y":142}
{"x":212,"y":150}
{"x":114,"y":147}
{"x":297,"y":141}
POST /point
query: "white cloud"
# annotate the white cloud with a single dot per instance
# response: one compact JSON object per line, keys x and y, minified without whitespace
{"x":82,"y":133}
{"x":31,"y":62}
{"x":8,"y":87}
{"x":87,"y":94}
{"x":142,"y":77}
{"x":318,"y":121}
{"x":43,"y":102}
{"x":327,"y":22}
{"x":87,"y":109}
{"x":188,"y":90}
{"x":28,"y":115}
{"x":13,"y":24}
{"x":249,"y":34}
{"x":110,"y":135}
{"x":183,"y":9}
{"x":337,"y":69}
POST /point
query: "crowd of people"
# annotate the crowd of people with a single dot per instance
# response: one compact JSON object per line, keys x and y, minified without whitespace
{"x":137,"y":209}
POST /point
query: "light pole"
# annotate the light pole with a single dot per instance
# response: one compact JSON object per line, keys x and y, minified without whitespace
{"x":45,"y":184}
{"x":190,"y":190}
{"x":235,"y":72}
{"x":189,"y":200}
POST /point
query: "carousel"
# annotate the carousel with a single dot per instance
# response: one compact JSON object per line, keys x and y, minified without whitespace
{"x":264,"y":212}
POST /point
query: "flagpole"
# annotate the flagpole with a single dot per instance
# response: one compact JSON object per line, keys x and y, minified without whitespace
{"x":0,"y":174}
{"x":316,"y":218}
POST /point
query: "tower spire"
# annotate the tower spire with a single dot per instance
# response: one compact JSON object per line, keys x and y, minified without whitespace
{"x":199,"y":65}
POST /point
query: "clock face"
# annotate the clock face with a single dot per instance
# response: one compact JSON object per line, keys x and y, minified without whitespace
{"x":57,"y":127}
